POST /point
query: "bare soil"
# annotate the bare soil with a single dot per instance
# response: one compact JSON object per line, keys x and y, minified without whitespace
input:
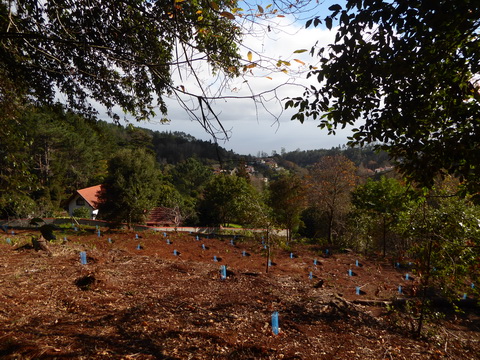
{"x":136,"y":299}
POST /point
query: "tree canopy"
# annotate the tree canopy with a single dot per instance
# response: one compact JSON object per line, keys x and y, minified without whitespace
{"x":331,"y":181}
{"x":132,"y":187}
{"x":288,"y":198}
{"x":117,"y":53}
{"x":385,"y":199}
{"x":407,"y":74}
{"x":228,"y":199}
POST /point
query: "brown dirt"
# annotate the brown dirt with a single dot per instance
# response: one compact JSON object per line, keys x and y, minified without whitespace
{"x":147,"y":303}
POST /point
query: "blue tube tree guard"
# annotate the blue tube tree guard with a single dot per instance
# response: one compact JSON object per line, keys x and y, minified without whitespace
{"x":83,"y":258}
{"x":223,"y":272}
{"x":275,"y":327}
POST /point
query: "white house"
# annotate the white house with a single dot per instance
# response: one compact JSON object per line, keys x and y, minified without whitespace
{"x":87,"y":198}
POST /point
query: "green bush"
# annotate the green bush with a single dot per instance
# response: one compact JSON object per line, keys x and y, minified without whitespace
{"x":82,"y":212}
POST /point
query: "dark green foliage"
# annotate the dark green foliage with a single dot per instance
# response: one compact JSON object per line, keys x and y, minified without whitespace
{"x":132,"y":187}
{"x":47,"y":154}
{"x":229,"y":199}
{"x":116,"y":53}
{"x":365,"y":156}
{"x":287,"y":196}
{"x":176,"y":147}
{"x":82,"y":212}
{"x":190,"y":177}
{"x":407,"y":71}
{"x":16,"y":178}
{"x":378,"y":204}
{"x":444,"y":236}
{"x":17,"y":205}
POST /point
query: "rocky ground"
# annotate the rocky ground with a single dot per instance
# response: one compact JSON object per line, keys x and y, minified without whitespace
{"x":136,"y":299}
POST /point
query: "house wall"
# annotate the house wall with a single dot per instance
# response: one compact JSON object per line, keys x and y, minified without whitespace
{"x":72,"y":205}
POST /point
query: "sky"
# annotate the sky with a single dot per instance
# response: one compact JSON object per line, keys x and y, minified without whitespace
{"x":252,"y":129}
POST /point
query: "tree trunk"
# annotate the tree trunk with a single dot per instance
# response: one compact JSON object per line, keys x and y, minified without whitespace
{"x":330,"y":228}
{"x":384,"y":237}
{"x":425,"y":284}
{"x":268,"y":250}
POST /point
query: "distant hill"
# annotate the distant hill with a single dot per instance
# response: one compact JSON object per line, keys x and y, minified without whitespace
{"x":173,"y":147}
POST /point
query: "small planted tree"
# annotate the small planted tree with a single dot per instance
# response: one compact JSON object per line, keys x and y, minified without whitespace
{"x":444,"y":233}
{"x":382,"y":201}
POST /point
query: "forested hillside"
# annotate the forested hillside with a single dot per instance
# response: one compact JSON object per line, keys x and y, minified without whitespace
{"x":49,"y":153}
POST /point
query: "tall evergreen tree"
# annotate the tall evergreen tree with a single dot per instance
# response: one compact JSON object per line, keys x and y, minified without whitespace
{"x":131,"y":188}
{"x":287,"y":195}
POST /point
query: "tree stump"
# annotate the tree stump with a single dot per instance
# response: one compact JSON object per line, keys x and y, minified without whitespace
{"x":41,"y":244}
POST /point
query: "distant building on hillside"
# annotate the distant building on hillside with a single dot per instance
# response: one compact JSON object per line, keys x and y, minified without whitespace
{"x":88,"y":198}
{"x":85,"y":198}
{"x":382,"y":170}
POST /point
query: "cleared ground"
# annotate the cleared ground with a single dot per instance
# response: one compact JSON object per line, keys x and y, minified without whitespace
{"x":136,"y":299}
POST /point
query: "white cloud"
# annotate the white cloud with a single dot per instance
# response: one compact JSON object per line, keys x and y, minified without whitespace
{"x":254,"y":128}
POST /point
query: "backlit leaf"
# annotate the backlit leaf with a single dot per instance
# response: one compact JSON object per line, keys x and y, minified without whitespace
{"x":227,"y":15}
{"x":249,"y":56}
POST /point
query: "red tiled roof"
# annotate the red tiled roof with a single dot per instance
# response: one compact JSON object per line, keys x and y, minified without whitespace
{"x":161,"y":216}
{"x":90,"y":195}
